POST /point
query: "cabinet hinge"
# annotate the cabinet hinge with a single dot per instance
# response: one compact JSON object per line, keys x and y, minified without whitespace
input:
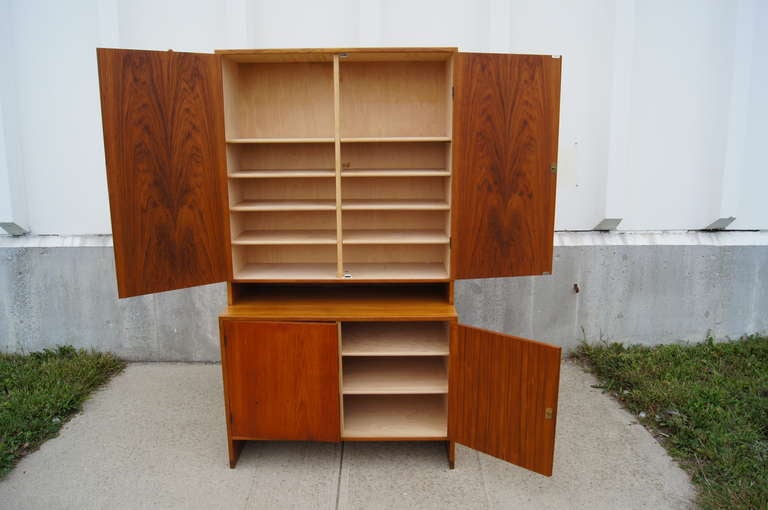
{"x":453,"y":92}
{"x":450,"y":243}
{"x":553,"y":168}
{"x":548,"y":413}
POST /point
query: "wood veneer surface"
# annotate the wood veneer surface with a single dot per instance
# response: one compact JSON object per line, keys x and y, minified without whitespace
{"x":506,"y":110}
{"x":283,"y":380}
{"x":164,"y":145}
{"x":500,"y":387}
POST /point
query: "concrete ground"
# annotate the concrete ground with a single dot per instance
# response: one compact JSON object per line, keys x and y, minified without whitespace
{"x":155,"y":438}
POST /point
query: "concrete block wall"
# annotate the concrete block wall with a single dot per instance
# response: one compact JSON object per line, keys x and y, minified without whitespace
{"x":645,"y":288}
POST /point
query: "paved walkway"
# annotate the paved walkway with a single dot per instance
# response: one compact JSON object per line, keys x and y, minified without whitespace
{"x":155,"y":438}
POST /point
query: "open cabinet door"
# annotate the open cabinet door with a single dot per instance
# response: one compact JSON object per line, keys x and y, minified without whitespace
{"x":505,"y":125}
{"x":503,"y":396}
{"x":162,"y":114}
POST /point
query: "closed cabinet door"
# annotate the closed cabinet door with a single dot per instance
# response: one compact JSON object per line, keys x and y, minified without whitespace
{"x":281,"y":380}
{"x":503,"y":396}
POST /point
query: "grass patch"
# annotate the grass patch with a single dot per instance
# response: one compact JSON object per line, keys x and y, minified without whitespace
{"x":707,"y":403}
{"x":40,"y":391}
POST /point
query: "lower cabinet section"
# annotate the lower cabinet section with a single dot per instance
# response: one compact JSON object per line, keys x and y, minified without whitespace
{"x":391,"y":381}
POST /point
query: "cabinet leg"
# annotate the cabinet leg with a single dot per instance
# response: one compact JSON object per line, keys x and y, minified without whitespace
{"x":235,"y":447}
{"x":451,"y":447}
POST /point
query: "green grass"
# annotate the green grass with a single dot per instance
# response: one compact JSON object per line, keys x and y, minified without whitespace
{"x":40,"y":391}
{"x":707,"y":403}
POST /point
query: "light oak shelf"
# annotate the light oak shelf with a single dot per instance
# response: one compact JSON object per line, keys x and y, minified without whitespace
{"x":427,"y":172}
{"x":401,"y":416}
{"x":394,"y":339}
{"x":395,"y":237}
{"x":386,"y":139}
{"x":286,"y":272}
{"x":274,"y":237}
{"x":394,"y":205}
{"x":281,"y":174}
{"x":394,"y":375}
{"x":281,"y":140}
{"x":285,"y":205}
{"x":401,"y":271}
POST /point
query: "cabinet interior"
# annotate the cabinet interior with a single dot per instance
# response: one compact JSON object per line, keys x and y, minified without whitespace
{"x":339,"y":169}
{"x":394,"y":380}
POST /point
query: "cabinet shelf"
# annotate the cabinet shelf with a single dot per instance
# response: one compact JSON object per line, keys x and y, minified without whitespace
{"x":425,"y":172}
{"x":282,"y":174}
{"x":286,"y":272}
{"x":394,"y":339}
{"x":281,"y":140}
{"x":395,"y":237}
{"x":395,"y":375}
{"x":394,"y":205}
{"x":393,"y":139}
{"x":396,"y":271}
{"x":273,"y":237}
{"x":285,"y":205}
{"x":401,"y":416}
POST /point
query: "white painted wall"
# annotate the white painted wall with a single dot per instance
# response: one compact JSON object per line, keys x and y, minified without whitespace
{"x":664,"y":108}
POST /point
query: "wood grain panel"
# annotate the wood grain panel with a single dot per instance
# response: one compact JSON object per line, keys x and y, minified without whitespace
{"x":500,"y":388}
{"x":506,"y":111}
{"x":282,"y":380}
{"x":165,"y":156}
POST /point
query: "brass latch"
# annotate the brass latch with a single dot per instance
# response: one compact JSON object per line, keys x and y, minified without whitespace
{"x":548,"y":413}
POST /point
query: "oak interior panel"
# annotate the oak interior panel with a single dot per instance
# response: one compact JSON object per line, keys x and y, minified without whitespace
{"x":285,"y":262}
{"x":393,"y":99}
{"x":394,"y":375}
{"x":427,"y":188}
{"x":394,"y":417}
{"x":279,"y":100}
{"x":394,"y":339}
{"x":359,"y":157}
{"x":282,"y":380}
{"x":395,"y":220}
{"x":255,"y":159}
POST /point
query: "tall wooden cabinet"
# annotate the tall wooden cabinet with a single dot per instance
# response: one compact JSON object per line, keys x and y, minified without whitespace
{"x":339,"y":193}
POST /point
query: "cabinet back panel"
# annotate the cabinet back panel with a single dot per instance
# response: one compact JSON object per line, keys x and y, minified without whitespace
{"x":394,"y":220}
{"x":427,"y":188}
{"x":280,"y":156}
{"x":284,"y":220}
{"x":287,"y":189}
{"x":381,"y":99}
{"x":393,"y":155}
{"x":394,"y":253}
{"x":288,"y":254}
{"x":283,"y":100}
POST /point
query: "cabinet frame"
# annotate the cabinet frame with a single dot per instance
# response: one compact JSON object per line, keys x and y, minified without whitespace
{"x":260,"y":201}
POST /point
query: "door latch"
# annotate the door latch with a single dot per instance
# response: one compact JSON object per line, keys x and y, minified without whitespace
{"x":548,"y":413}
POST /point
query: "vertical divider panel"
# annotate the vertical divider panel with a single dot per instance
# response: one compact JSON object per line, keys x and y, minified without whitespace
{"x":341,"y":381}
{"x":337,"y":163}
{"x":448,"y":159}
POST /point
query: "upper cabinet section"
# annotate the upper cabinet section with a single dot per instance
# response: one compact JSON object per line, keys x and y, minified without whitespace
{"x":506,"y":112}
{"x":164,"y":145}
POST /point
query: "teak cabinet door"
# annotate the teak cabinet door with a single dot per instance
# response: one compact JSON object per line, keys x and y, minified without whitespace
{"x":162,"y":114}
{"x":503,"y":396}
{"x":505,"y":128}
{"x":281,"y":380}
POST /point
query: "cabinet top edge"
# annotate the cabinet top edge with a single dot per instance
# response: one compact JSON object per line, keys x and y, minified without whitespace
{"x":327,"y":54}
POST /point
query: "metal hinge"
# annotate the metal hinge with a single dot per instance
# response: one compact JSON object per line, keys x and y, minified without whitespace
{"x":548,"y":413}
{"x":553,"y":168}
{"x":450,"y":243}
{"x":453,"y":92}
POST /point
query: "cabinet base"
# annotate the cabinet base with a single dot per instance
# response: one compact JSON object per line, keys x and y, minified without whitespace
{"x":236,"y":447}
